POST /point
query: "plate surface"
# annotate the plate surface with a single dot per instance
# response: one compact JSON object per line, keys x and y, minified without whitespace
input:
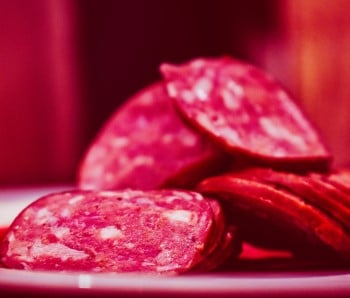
{"x":236,"y":284}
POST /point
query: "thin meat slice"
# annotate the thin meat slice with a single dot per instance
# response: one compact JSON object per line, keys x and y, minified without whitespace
{"x":146,"y":145}
{"x":310,"y":187}
{"x":3,"y":231}
{"x":224,"y":243}
{"x":245,"y":110}
{"x":226,"y":248}
{"x":307,"y":230}
{"x":162,"y":232}
{"x":340,"y":178}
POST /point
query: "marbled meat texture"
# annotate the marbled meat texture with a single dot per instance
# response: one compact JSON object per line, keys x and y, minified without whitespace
{"x":161,"y":231}
{"x":146,"y":145}
{"x":244,"y":109}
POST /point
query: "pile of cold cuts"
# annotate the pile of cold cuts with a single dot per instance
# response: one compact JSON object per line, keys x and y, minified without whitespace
{"x":215,"y":155}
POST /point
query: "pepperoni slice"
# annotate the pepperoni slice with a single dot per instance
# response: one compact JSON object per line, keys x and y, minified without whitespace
{"x":243,"y":109}
{"x":146,"y":145}
{"x":163,"y":232}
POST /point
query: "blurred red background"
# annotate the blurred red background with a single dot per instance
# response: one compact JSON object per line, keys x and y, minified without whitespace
{"x":66,"y":65}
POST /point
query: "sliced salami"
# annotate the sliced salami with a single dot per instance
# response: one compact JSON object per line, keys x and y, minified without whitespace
{"x":307,"y":230}
{"x":310,"y":187}
{"x":163,"y":232}
{"x":224,"y":250}
{"x":340,"y":178}
{"x":3,"y":231}
{"x":146,"y":145}
{"x":244,"y":109}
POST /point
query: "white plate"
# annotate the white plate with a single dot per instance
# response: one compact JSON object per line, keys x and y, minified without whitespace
{"x":36,"y":284}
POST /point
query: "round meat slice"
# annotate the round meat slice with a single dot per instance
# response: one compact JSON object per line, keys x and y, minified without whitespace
{"x":163,"y":232}
{"x":146,"y":145}
{"x":307,"y":230}
{"x":310,"y":187}
{"x":340,"y":178}
{"x":225,"y":249}
{"x":244,"y":109}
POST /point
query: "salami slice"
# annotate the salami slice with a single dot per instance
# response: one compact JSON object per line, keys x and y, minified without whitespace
{"x":309,"y":229}
{"x":310,"y":187}
{"x":2,"y":232}
{"x":225,"y":249}
{"x":244,"y":109}
{"x":163,"y":232}
{"x":340,"y":178}
{"x":146,"y":145}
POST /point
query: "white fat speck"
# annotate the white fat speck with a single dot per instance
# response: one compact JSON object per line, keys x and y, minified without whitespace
{"x":274,"y":128}
{"x":108,"y":194}
{"x":204,"y":120}
{"x":172,"y":90}
{"x":179,"y":215}
{"x":230,"y":134}
{"x":230,"y":102}
{"x":111,"y":232}
{"x":147,"y":264}
{"x":202,"y":88}
{"x":279,"y":152}
{"x":119,"y":142}
{"x":167,"y":138}
{"x":56,"y":250}
{"x":11,"y":237}
{"x":144,"y":201}
{"x":143,"y":160}
{"x":170,"y":199}
{"x":188,"y":96}
{"x":188,"y":140}
{"x":96,"y":153}
{"x":43,"y":212}
{"x":237,"y":89}
{"x":65,"y":212}
{"x":141,"y":121}
{"x":96,"y":171}
{"x":129,"y":245}
{"x":20,"y":250}
{"x":76,"y":199}
{"x":169,"y":267}
{"x":282,"y":95}
{"x":185,"y":196}
{"x":45,"y":216}
{"x":164,"y":257}
{"x":61,"y":231}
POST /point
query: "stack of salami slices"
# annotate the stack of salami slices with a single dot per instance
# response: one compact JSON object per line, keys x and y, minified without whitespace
{"x":215,"y":155}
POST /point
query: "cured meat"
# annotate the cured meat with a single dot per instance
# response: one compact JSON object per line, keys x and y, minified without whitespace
{"x":310,"y":187}
{"x":146,"y":145}
{"x":225,"y":249}
{"x":340,"y":178}
{"x":163,"y":232}
{"x":312,"y":232}
{"x":2,"y":232}
{"x":244,"y":110}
